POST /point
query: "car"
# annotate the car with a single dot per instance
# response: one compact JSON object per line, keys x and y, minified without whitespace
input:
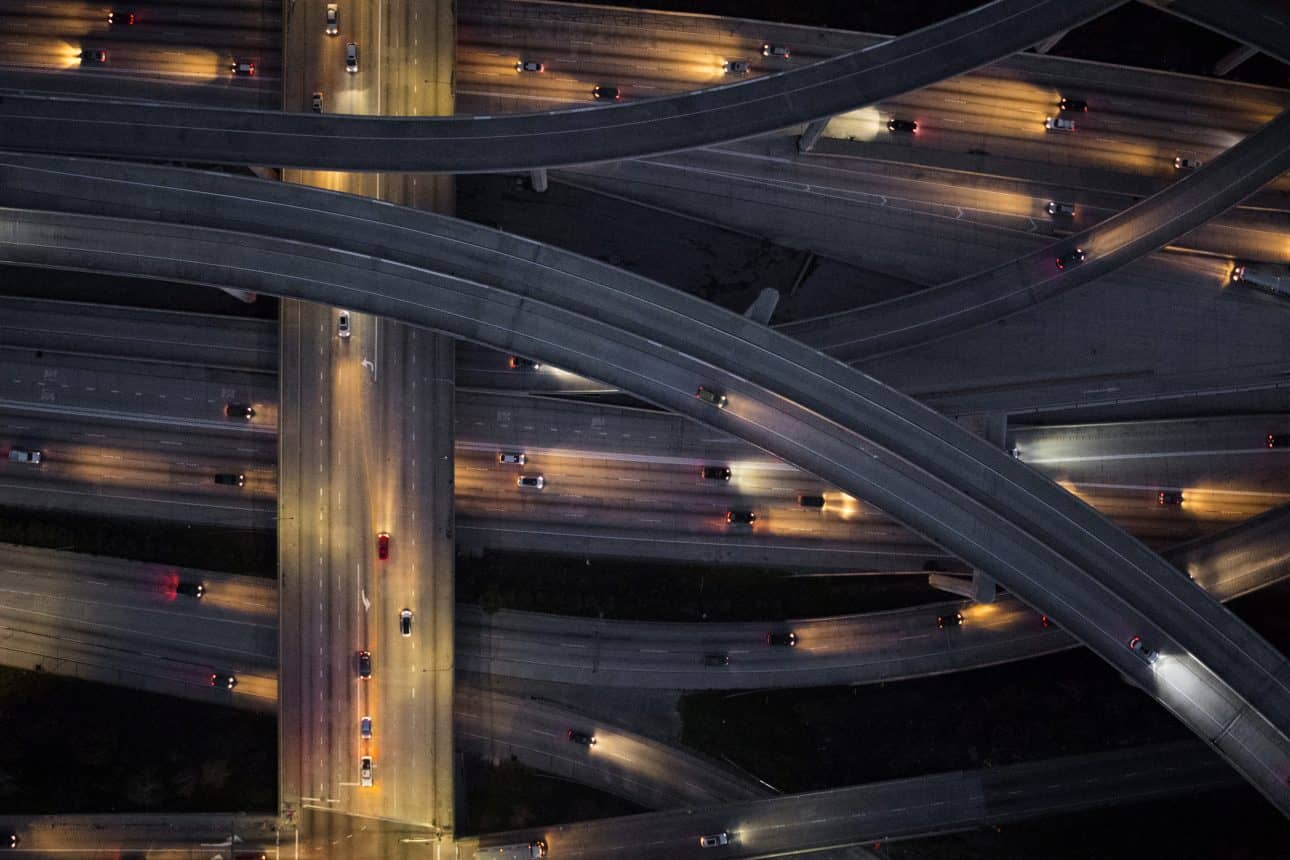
{"x":239,"y":410}
{"x":782,"y":638}
{"x":1059,"y":123}
{"x":383,"y":546}
{"x":243,"y":68}
{"x":736,"y":67}
{"x":1169,"y":498}
{"x":365,"y":771}
{"x":1279,"y":440}
{"x":1181,"y":163}
{"x":943,"y":621}
{"x":405,"y":622}
{"x":342,"y":324}
{"x":1045,"y":622}
{"x":1060,"y":209}
{"x":333,"y":19}
{"x":581,"y":738}
{"x":121,"y":18}
{"x":93,"y":55}
{"x":709,"y":395}
{"x":250,"y":855}
{"x":228,"y":682}
{"x":811,"y":501}
{"x":364,"y":664}
{"x":25,"y":455}
{"x":365,"y":728}
{"x":530,"y":66}
{"x":231,"y":479}
{"x":715,"y":473}
{"x":1073,"y":105}
{"x":1015,"y":451}
{"x":714,"y":840}
{"x":600,"y":92}
{"x":9,"y":839}
{"x":907,"y":126}
{"x":192,"y":589}
{"x":1148,"y":655}
{"x":519,"y":363}
{"x":716,"y":659}
{"x":351,"y":57}
{"x":1071,"y":258}
{"x":741,"y":518}
{"x":534,"y":482}
{"x":511,"y":458}
{"x":316,"y":102}
{"x":769,"y":50}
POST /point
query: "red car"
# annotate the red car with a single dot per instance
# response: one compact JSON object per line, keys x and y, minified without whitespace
{"x":383,"y":546}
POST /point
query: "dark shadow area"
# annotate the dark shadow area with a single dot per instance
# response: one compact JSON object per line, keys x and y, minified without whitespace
{"x":58,"y":285}
{"x":511,"y":796}
{"x":72,"y":747}
{"x":254,"y":553}
{"x":652,"y":591}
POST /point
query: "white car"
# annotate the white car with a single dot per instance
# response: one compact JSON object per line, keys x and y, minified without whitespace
{"x":511,"y":458}
{"x":737,"y":67}
{"x":342,"y":324}
{"x":24,"y":455}
{"x":714,"y":840}
{"x":333,"y":19}
{"x":365,"y":770}
{"x":1181,"y":163}
{"x":317,"y":103}
{"x":351,"y":57}
{"x":1059,"y":123}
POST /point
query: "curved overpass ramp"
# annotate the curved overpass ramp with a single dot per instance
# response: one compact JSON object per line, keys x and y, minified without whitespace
{"x":1050,"y":549}
{"x":578,"y":136}
{"x":1019,"y":284}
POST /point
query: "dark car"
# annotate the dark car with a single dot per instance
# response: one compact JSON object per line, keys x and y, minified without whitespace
{"x":708,"y":395}
{"x":943,"y":621}
{"x":121,"y":18}
{"x":1071,"y":258}
{"x":1148,"y":655}
{"x":239,"y":410}
{"x":520,"y":363}
{"x":364,"y":664}
{"x":1073,"y":105}
{"x":192,"y":589}
{"x":231,"y":479}
{"x":602,"y":92}
{"x":907,"y":126}
{"x":769,"y":50}
{"x":1279,"y":440}
{"x":530,"y":66}
{"x":782,"y":638}
{"x":94,"y":55}
{"x":228,"y":682}
{"x":9,"y":839}
{"x":716,"y":473}
{"x":811,"y":501}
{"x":383,"y":546}
{"x":1169,"y":498}
{"x":1045,"y":621}
{"x":242,"y":68}
{"x":716,"y":660}
{"x":581,"y":738}
{"x":741,"y":518}
{"x":405,"y":622}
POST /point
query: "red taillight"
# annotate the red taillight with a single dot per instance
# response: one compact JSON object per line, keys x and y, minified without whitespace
{"x":1271,"y":441}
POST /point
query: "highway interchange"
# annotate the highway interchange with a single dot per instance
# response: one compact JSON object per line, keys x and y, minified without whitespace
{"x":772,"y":408}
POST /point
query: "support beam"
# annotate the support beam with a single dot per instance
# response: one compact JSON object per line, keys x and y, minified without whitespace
{"x":538,"y":178}
{"x":763,"y":307}
{"x":1051,"y":42}
{"x":811,"y":134}
{"x":1233,"y":58}
{"x":241,"y":295}
{"x":981,"y":588}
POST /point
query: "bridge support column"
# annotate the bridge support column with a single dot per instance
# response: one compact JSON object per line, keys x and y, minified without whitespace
{"x":1233,"y":58}
{"x":1051,"y":42}
{"x":811,"y":135}
{"x":240,"y":295}
{"x":980,"y":588}
{"x":538,"y":178}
